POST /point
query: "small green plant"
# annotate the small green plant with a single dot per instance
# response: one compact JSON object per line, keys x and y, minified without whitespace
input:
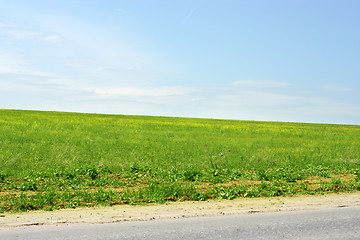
{"x":357,"y":175}
{"x":29,"y":186}
{"x":191,"y":175}
{"x":104,"y":196}
{"x":215,"y":159}
{"x":2,"y":177}
{"x":92,"y":173}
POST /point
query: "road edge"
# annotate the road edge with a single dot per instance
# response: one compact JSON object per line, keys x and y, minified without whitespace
{"x":173,"y":210}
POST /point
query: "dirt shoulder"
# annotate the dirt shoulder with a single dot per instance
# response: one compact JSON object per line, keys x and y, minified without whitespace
{"x":178,"y":210}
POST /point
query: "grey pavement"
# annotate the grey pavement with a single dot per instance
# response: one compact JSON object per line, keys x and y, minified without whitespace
{"x":339,"y":223}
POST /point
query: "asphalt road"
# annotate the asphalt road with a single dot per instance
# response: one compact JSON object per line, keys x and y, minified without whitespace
{"x":340,"y":223}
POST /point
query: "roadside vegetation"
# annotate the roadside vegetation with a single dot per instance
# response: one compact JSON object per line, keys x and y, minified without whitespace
{"x":53,"y":160}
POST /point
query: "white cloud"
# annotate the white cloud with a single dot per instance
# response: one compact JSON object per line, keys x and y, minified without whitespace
{"x":15,"y":32}
{"x":7,"y":25}
{"x":10,"y":63}
{"x":260,"y":99}
{"x":52,"y":38}
{"x":335,"y":88}
{"x":17,"y":65}
{"x":270,"y":106}
{"x":261,"y":84}
{"x":116,"y":92}
{"x":21,"y":34}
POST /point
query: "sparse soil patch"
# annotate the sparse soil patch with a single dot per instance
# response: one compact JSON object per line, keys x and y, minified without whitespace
{"x":178,"y":210}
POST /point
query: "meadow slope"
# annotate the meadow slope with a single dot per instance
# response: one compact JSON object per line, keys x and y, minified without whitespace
{"x":53,"y":160}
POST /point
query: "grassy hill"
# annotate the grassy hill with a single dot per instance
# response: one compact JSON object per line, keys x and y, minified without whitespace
{"x":51,"y":160}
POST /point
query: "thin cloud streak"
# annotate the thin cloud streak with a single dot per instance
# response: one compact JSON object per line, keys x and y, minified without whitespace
{"x":115,"y":92}
{"x":260,"y":84}
{"x":188,"y":16}
{"x":32,"y":35}
{"x":335,"y":88}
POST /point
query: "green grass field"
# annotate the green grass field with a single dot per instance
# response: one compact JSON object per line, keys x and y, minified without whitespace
{"x":53,"y":160}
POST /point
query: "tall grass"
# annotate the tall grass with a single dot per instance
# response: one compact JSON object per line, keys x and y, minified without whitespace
{"x":34,"y":144}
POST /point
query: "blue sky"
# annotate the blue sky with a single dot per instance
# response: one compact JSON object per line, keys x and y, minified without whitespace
{"x":279,"y":60}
